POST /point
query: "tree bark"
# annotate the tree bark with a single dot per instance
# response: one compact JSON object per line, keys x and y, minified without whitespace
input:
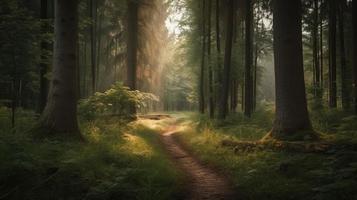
{"x":223,"y":107}
{"x":132,"y":46}
{"x":316,"y":49}
{"x":248,"y":102}
{"x":201,"y":101}
{"x":344,"y":72}
{"x":321,"y":50}
{"x":354,"y":21}
{"x":92,"y":15}
{"x":291,"y":118}
{"x":60,"y":114}
{"x":332,"y":55}
{"x":210,"y":67}
{"x":43,"y":65}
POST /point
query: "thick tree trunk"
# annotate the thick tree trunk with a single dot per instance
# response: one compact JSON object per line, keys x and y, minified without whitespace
{"x":345,"y":92}
{"x":60,"y":114}
{"x":201,"y":100}
{"x":223,"y":107}
{"x":291,"y":116}
{"x":332,"y":55}
{"x":132,"y":46}
{"x":248,"y":102}
{"x":354,"y":18}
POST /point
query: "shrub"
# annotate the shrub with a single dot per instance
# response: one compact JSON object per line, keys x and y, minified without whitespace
{"x":115,"y":101}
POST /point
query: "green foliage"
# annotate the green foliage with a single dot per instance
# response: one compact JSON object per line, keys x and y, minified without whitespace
{"x":19,"y":38}
{"x":115,"y":101}
{"x":118,"y":161}
{"x":275,"y":175}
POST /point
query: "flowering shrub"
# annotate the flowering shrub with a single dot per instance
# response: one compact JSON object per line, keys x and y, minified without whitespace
{"x":115,"y":101}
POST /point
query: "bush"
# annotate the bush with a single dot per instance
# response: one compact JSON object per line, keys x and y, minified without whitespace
{"x":115,"y":101}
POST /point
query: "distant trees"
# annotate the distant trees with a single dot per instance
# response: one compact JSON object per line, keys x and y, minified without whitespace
{"x":291,"y":115}
{"x":60,"y":114}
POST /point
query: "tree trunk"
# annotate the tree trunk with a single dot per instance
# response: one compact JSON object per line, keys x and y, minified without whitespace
{"x":202,"y":70}
{"x":316,"y":49}
{"x":223,"y":107}
{"x":332,"y":55}
{"x":354,"y":19}
{"x":321,"y":50}
{"x":60,"y":114}
{"x":43,"y":65}
{"x":92,"y":15}
{"x":132,"y":46}
{"x":248,"y":102}
{"x":291,"y":118}
{"x":344,"y":73}
{"x":210,"y":72}
{"x":218,"y":48}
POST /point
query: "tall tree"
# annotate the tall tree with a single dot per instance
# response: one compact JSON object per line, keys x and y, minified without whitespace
{"x":60,"y":114}
{"x":354,"y":19}
{"x":201,"y":100}
{"x":345,"y":92}
{"x":210,"y":67}
{"x":248,"y":102}
{"x":315,"y":45}
{"x":291,"y":117}
{"x":321,"y":49}
{"x":223,"y":107}
{"x":93,"y":17}
{"x":132,"y":46}
{"x":43,"y":64}
{"x":332,"y":55}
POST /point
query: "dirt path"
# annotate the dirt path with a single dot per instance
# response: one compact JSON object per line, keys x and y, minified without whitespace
{"x":204,"y":183}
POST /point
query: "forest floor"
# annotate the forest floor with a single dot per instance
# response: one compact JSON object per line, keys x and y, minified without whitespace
{"x":202,"y":181}
{"x":176,"y":156}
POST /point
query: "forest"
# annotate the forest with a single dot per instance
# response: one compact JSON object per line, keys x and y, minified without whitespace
{"x":178,"y":99}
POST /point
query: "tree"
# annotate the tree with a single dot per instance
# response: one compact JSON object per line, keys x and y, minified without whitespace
{"x":132,"y":46}
{"x":223,"y":107}
{"x":344,"y":72}
{"x":354,"y":18}
{"x":60,"y":114}
{"x":201,"y":100}
{"x":210,"y":67}
{"x":332,"y":55}
{"x":291,"y":117}
{"x":315,"y":45}
{"x":43,"y":64}
{"x":93,"y":17}
{"x":248,"y":102}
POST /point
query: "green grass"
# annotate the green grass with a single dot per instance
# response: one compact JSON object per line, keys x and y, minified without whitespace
{"x":273,"y":175}
{"x":118,"y":161}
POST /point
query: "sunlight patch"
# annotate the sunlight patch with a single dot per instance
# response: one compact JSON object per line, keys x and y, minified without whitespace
{"x":137,"y":145}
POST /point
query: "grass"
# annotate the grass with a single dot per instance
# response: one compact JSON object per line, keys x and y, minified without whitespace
{"x":120,"y":160}
{"x":274,"y":175}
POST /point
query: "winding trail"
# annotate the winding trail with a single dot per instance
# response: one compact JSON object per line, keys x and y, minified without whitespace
{"x":204,"y":183}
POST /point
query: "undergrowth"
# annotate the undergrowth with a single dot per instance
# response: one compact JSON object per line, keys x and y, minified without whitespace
{"x":274,"y":175}
{"x":118,"y":161}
